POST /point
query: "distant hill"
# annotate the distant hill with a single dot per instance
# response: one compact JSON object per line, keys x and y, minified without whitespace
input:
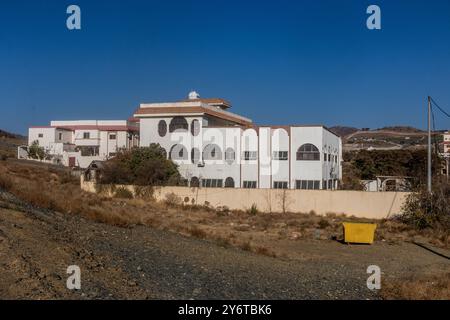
{"x":343,"y":131}
{"x":9,"y":143}
{"x":402,"y":129}
{"x":6,"y":134}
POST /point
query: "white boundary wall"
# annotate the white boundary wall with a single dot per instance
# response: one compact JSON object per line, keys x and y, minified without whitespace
{"x":373,"y":205}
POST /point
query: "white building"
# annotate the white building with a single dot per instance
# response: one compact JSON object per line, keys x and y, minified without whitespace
{"x":446,"y":141}
{"x":217,"y":148}
{"x":78,"y":143}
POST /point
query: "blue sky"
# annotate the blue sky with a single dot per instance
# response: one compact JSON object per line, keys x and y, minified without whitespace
{"x":278,"y":62}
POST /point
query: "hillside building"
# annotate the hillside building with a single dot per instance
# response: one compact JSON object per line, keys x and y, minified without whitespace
{"x":78,"y":143}
{"x":212,"y":146}
{"x":217,"y":148}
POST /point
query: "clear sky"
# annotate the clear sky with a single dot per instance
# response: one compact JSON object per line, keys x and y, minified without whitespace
{"x":278,"y":62}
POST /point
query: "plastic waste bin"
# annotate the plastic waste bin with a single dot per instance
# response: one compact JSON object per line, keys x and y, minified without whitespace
{"x":359,"y":232}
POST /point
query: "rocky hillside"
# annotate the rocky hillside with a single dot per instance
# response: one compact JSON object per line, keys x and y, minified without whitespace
{"x":386,"y":138}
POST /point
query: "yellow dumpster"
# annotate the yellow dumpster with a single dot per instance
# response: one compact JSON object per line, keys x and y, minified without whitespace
{"x":359,"y":232}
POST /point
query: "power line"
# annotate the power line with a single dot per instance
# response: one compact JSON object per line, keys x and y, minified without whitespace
{"x":441,"y":109}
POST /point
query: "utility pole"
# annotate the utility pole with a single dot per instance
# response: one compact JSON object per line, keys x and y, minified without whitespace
{"x":429,"y":144}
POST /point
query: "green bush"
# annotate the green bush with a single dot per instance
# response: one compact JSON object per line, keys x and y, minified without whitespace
{"x":36,"y":152}
{"x":146,"y":166}
{"x":253,"y":210}
{"x":364,"y":164}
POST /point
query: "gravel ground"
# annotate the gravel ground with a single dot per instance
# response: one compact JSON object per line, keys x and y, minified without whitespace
{"x":143,"y":263}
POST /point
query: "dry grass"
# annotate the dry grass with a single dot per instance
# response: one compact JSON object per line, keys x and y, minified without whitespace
{"x":272,"y":235}
{"x":5,"y":182}
{"x":57,"y":190}
{"x":426,"y":288}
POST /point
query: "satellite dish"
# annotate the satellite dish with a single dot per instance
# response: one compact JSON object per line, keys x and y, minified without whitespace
{"x":193,"y":95}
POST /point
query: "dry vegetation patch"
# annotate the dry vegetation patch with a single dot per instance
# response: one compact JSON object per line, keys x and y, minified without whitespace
{"x":262,"y":233}
{"x":424,"y":288}
{"x":269,"y":234}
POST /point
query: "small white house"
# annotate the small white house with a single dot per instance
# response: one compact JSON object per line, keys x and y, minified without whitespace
{"x":78,"y":143}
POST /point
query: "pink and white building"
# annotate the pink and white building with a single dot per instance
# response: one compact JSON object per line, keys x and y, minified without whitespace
{"x":212,"y":146}
{"x":78,"y":143}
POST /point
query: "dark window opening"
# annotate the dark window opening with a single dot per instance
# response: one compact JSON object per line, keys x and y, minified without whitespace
{"x":308,"y":152}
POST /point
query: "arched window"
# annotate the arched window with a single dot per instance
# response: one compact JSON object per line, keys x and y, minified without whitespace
{"x":195,"y":155}
{"x":229,"y":182}
{"x":195,"y":127}
{"x":178,"y":123}
{"x":212,"y":152}
{"x":178,"y":152}
{"x":162,"y":128}
{"x":230,"y":155}
{"x":308,"y":151}
{"x":195,"y":182}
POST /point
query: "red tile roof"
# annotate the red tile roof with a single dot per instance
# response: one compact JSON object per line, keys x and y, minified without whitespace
{"x":187,"y":110}
{"x":91,"y":127}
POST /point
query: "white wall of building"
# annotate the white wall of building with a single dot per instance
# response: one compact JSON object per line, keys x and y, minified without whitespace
{"x":305,"y":169}
{"x":280,"y":168}
{"x":62,"y":139}
{"x":249,"y":168}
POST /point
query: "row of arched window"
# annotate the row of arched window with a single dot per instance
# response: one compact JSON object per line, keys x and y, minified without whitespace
{"x":307,"y":152}
{"x":178,"y":124}
{"x":195,"y":182}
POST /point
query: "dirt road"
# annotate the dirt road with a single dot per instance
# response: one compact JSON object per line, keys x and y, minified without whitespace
{"x":36,"y":247}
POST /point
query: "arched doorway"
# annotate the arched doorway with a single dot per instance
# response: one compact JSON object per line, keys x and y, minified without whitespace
{"x":229,"y":182}
{"x":195,"y":182}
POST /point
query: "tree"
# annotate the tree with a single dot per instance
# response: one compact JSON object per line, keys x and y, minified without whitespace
{"x":36,"y":152}
{"x":141,"y":166}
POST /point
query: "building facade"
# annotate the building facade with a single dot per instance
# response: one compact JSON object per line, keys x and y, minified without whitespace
{"x":216,"y":148}
{"x":446,"y":154}
{"x":78,"y":143}
{"x":446,"y":142}
{"x":212,"y":146}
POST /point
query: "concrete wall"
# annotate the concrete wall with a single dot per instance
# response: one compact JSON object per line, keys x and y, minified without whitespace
{"x":374,"y":205}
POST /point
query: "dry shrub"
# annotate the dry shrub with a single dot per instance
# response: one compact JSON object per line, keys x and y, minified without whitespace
{"x":323,"y":224}
{"x":123,"y":193}
{"x":253,"y":210}
{"x":223,"y":242}
{"x":172,"y":200}
{"x":144,"y":192}
{"x":265,"y":251}
{"x":435,"y":287}
{"x":246,"y":246}
{"x":424,"y":210}
{"x":5,"y":182}
{"x":197,"y":232}
{"x":112,"y":218}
